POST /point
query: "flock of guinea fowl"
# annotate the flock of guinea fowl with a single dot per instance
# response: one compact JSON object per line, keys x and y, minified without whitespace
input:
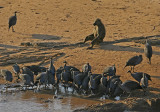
{"x":83,"y":82}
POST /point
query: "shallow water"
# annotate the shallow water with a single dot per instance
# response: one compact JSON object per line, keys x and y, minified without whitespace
{"x":36,"y":101}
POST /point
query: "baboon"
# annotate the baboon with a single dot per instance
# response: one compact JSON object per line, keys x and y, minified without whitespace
{"x":98,"y":33}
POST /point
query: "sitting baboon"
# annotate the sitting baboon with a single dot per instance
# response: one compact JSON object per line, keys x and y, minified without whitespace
{"x":98,"y":33}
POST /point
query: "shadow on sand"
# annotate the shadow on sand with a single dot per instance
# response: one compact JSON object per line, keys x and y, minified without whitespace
{"x":45,"y":37}
{"x":157,"y":77}
{"x":109,"y":45}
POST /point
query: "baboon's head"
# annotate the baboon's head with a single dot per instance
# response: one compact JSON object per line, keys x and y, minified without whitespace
{"x":97,"y":22}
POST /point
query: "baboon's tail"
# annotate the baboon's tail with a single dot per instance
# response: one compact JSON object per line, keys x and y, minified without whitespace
{"x":89,"y":37}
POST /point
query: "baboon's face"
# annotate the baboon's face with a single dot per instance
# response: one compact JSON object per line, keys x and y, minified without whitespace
{"x":97,"y":22}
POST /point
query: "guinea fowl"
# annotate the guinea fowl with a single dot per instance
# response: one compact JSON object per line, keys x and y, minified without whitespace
{"x":138,"y":76}
{"x":113,"y":84}
{"x":52,"y":71}
{"x":94,"y":83}
{"x":85,"y":83}
{"x":12,"y":21}
{"x":129,"y":86}
{"x":7,"y":75}
{"x":36,"y":69}
{"x":103,"y":84}
{"x":77,"y":80}
{"x":66,"y":78}
{"x":104,"y":81}
{"x":144,"y":82}
{"x":45,"y":78}
{"x":51,"y":67}
{"x":68,"y":68}
{"x":41,"y":79}
{"x":26,"y":80}
{"x":58,"y":75}
{"x":16,"y":70}
{"x":133,"y":61}
{"x":86,"y":68}
{"x":148,"y":51}
{"x":26,"y":70}
{"x":110,"y":71}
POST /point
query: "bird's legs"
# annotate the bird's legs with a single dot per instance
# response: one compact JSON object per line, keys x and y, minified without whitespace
{"x":133,"y":68}
{"x":149,"y":61}
{"x":12,"y":29}
{"x":6,"y":86}
{"x":144,"y":90}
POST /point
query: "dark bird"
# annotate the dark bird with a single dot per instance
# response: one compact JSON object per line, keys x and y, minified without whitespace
{"x":41,"y":79}
{"x":74,"y":73}
{"x":51,"y":78}
{"x":118,"y":91}
{"x":77,"y":80}
{"x":108,"y":83}
{"x":113,"y":84}
{"x":12,"y":21}
{"x":148,"y":51}
{"x":16,"y":70}
{"x":144,"y":82}
{"x":52,"y":70}
{"x":36,"y":69}
{"x":66,"y":78}
{"x":104,"y":81}
{"x":110,"y":71}
{"x":135,"y":60}
{"x":26,"y":70}
{"x":68,"y":68}
{"x":138,"y":76}
{"x":58,"y":74}
{"x":86,"y":68}
{"x":103,"y":84}
{"x":85,"y":83}
{"x":44,"y":78}
{"x":129,"y":86}
{"x":26,"y":79}
{"x":51,"y":67}
{"x":94,"y":83}
{"x":7,"y":75}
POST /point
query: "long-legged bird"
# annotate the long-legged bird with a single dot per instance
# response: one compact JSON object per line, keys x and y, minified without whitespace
{"x":12,"y":21}
{"x":133,"y":61}
{"x":148,"y":51}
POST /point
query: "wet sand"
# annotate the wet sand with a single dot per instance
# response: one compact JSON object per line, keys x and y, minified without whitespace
{"x":44,"y":100}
